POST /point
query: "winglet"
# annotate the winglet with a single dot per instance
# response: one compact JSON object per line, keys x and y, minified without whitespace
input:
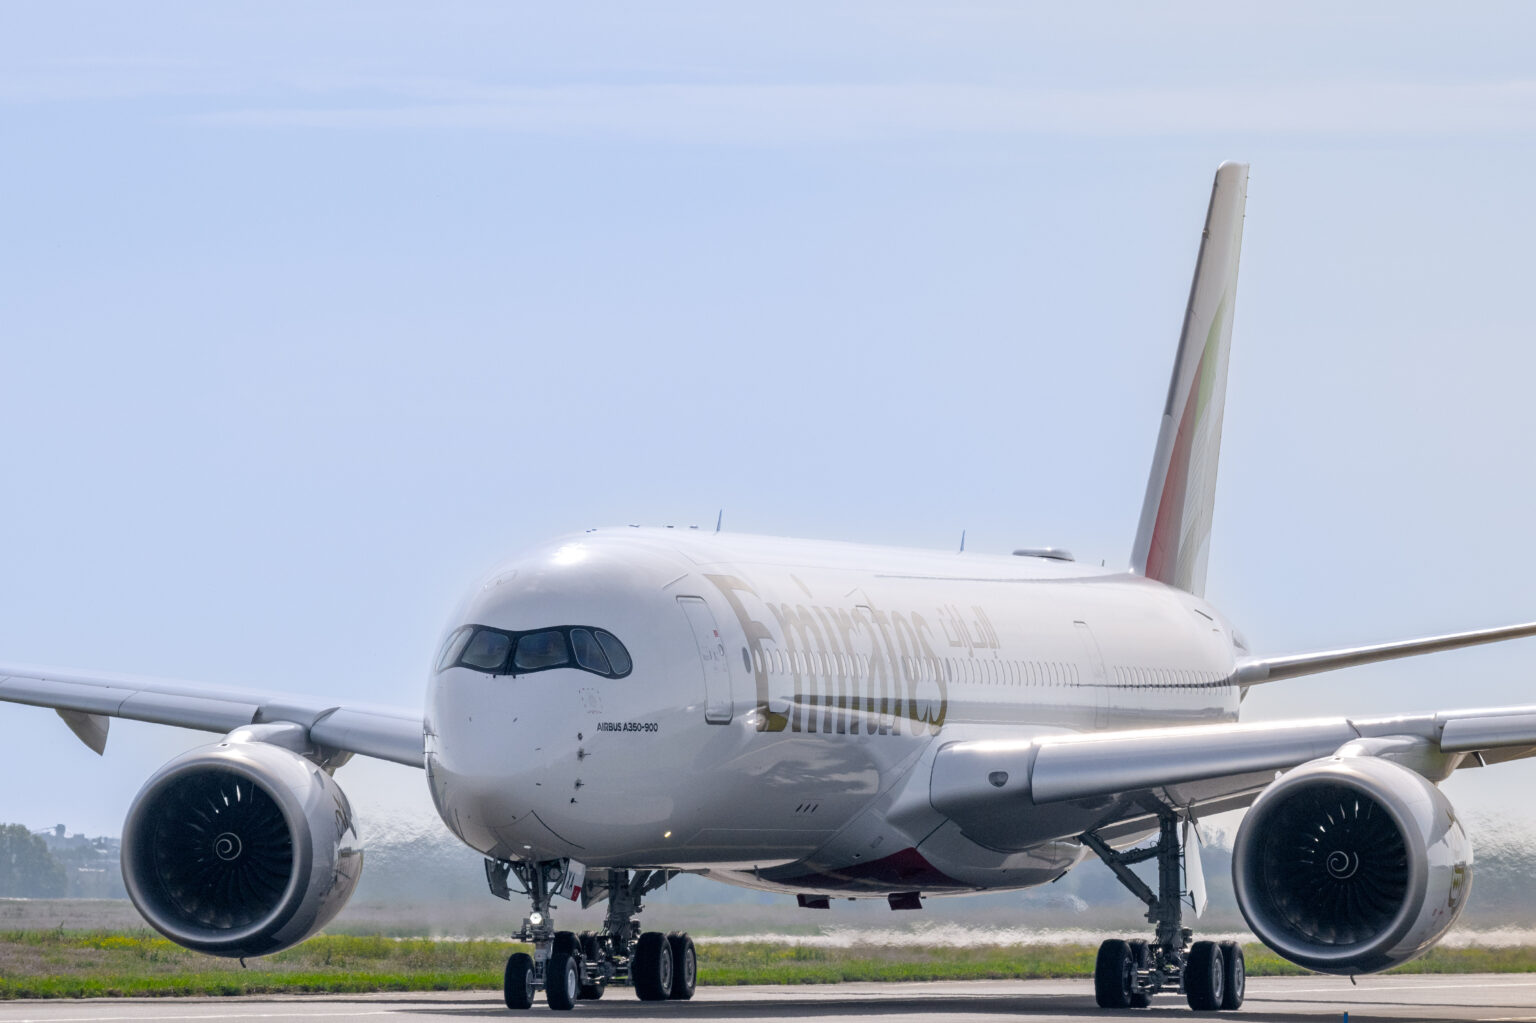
{"x":1173,"y":537}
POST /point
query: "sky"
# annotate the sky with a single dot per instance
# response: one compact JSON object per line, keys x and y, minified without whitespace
{"x":310,"y":313}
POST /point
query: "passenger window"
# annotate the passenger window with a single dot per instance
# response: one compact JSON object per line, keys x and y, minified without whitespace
{"x":453,"y":646}
{"x":541,"y":650}
{"x":618,"y":657}
{"x":487,"y":651}
{"x":588,"y":654}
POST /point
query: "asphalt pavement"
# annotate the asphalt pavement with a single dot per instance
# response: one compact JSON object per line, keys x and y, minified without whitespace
{"x":1506,"y":998}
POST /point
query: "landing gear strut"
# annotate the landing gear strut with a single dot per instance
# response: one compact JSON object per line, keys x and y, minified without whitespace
{"x":1128,"y":973}
{"x":571,"y":967}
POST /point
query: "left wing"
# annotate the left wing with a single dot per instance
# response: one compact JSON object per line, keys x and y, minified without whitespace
{"x":1114,"y":783}
{"x":1273,"y":669}
{"x":87,"y":700}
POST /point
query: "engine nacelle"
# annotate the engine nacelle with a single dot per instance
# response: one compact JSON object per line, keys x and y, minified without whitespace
{"x":240,"y":849}
{"x":1351,"y":864}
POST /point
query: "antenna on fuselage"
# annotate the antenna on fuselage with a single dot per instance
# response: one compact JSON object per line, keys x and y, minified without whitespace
{"x":962,"y":541}
{"x":719,"y":519}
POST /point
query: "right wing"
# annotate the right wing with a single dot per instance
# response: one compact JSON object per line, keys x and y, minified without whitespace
{"x":87,"y":700}
{"x":1114,"y":783}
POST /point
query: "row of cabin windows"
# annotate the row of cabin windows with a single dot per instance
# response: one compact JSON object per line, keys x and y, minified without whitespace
{"x":978,"y":671}
{"x":1167,"y":678}
{"x":499,"y":652}
{"x":920,"y":669}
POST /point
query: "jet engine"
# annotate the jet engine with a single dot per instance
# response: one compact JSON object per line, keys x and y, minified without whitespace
{"x":1351,"y":864}
{"x":240,"y":848}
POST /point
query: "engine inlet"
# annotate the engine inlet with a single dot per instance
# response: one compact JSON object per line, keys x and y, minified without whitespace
{"x":219,"y":848}
{"x":1333,"y":868}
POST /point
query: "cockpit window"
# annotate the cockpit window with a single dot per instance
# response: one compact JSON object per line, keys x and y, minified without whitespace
{"x":588,"y":654}
{"x":618,"y":657}
{"x":498,"y":652}
{"x":545,"y":649}
{"x":453,"y":646}
{"x":487,"y":651}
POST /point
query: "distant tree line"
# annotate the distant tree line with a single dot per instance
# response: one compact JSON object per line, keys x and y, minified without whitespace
{"x":407,"y":864}
{"x":27,"y":869}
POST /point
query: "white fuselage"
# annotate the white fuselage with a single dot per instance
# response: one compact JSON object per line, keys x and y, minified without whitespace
{"x":787,"y":698}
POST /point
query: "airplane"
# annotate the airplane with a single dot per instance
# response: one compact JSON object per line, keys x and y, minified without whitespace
{"x":832,"y":720}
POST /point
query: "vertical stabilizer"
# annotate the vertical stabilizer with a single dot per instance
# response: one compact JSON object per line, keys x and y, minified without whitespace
{"x":1174,"y":536}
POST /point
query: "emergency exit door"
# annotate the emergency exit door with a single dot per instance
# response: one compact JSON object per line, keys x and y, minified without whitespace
{"x":717,"y":673}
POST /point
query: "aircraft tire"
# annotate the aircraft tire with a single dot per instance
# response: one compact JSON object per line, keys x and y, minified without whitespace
{"x":1204,"y":985}
{"x":1234,"y":975}
{"x":685,"y":967}
{"x":562,"y":981}
{"x":651,"y":968}
{"x":592,"y":952}
{"x":1112,"y":974}
{"x":1141,"y":955}
{"x":517,"y":981}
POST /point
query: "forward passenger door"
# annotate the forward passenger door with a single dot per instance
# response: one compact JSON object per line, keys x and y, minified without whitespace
{"x":712,"y":659}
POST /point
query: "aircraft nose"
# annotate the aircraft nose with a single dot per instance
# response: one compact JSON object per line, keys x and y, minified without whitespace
{"x":488,"y":756}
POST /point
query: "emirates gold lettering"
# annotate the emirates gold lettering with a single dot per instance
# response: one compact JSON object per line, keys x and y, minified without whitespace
{"x":851,"y":671}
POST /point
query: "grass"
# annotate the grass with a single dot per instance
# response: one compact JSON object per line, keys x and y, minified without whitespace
{"x":93,"y":964}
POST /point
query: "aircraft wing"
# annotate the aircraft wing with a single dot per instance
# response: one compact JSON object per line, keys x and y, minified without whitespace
{"x":88,"y":700}
{"x":1273,"y":669}
{"x":1114,"y":783}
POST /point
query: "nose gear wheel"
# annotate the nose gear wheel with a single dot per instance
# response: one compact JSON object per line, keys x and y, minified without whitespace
{"x":571,"y":967}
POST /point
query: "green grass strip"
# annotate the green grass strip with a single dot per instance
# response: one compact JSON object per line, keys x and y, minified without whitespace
{"x":96,"y":964}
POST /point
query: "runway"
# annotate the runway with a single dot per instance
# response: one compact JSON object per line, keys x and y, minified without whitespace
{"x":1506,"y":998}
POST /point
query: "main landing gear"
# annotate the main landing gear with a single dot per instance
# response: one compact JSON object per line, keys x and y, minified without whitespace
{"x":574,"y":967}
{"x":1128,"y":973}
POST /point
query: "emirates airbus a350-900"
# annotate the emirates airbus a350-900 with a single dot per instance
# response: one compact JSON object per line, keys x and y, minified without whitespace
{"x":828,"y":719}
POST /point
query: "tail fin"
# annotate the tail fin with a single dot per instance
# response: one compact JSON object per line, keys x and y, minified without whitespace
{"x":1174,"y":536}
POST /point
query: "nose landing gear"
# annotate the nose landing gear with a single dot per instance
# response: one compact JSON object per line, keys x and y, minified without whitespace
{"x":571,"y":967}
{"x":1128,"y":973}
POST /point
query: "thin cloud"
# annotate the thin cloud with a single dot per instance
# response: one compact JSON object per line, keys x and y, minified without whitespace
{"x":772,"y":114}
{"x":775,"y":114}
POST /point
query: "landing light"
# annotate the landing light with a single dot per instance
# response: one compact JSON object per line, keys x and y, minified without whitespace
{"x":667,"y":835}
{"x":535,"y":918}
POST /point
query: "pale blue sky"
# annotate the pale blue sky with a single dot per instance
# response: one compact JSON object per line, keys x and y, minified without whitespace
{"x":311,"y":314}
